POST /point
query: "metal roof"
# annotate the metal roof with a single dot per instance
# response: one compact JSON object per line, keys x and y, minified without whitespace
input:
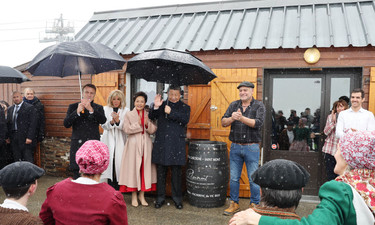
{"x":235,"y":25}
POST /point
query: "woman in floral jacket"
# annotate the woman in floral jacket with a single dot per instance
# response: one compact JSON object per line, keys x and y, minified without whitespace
{"x":349,"y":199}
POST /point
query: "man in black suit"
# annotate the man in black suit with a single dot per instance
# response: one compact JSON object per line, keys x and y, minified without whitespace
{"x":21,"y":121}
{"x":3,"y":131}
{"x":84,"y":117}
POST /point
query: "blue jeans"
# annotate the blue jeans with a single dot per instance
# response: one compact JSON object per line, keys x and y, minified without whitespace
{"x":238,"y":155}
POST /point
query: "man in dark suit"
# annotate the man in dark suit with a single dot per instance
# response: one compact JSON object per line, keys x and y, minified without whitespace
{"x":3,"y":131}
{"x":21,"y":121}
{"x":84,"y":117}
{"x":169,"y":146}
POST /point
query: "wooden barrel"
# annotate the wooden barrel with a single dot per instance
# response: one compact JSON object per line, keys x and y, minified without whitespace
{"x":207,"y":173}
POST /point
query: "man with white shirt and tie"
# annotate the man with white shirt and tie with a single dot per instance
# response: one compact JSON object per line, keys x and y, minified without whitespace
{"x":21,"y":121}
{"x":84,"y":117}
{"x":355,"y":118}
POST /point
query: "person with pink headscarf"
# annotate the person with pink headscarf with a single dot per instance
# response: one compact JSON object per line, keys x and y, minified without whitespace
{"x":85,"y":200}
{"x":349,"y":199}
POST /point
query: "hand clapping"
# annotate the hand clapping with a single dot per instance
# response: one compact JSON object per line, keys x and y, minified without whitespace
{"x":146,"y":119}
{"x":115,"y":117}
{"x":237,"y":115}
{"x":80,"y":108}
{"x":333,"y":116}
{"x":85,"y":104}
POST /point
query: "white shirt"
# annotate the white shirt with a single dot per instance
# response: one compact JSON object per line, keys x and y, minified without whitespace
{"x":10,"y":204}
{"x":290,"y":136}
{"x":362,"y":211}
{"x":16,"y":107}
{"x":362,"y":120}
{"x":85,"y":180}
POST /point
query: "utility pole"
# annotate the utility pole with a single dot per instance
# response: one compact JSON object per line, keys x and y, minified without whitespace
{"x":58,"y":32}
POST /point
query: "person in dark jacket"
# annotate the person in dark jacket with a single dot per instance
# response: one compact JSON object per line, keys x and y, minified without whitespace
{"x":29,"y":97}
{"x":3,"y":131}
{"x":21,"y":121}
{"x":281,"y":182}
{"x":6,"y":155}
{"x":286,"y":136}
{"x":169,"y":146}
{"x":84,"y":117}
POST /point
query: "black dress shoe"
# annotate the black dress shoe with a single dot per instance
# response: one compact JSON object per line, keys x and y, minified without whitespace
{"x":159,"y":204}
{"x":178,"y":205}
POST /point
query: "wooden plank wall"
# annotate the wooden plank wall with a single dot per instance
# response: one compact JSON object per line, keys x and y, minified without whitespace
{"x":56,"y":94}
{"x":6,"y":91}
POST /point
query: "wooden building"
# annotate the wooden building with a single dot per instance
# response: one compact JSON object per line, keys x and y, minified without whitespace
{"x":264,"y":42}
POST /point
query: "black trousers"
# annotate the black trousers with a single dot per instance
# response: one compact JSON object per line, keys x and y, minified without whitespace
{"x":330,"y":162}
{"x":6,"y":155}
{"x":75,"y":144}
{"x":21,"y":151}
{"x":175,"y":182}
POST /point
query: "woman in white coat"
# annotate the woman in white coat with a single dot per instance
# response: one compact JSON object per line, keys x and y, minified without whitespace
{"x":113,"y":136}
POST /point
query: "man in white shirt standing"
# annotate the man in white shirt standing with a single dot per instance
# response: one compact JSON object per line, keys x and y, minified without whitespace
{"x":355,"y":118}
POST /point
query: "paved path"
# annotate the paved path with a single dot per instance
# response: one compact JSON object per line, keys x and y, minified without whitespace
{"x":167,"y":215}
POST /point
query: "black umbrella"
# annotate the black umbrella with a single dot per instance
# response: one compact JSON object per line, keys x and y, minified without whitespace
{"x":75,"y":58}
{"x":170,"y":66}
{"x":10,"y":75}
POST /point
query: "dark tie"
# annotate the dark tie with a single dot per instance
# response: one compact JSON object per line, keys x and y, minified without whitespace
{"x":15,"y":114}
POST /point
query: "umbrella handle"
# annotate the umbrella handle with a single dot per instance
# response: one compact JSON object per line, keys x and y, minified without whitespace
{"x":166,"y":115}
{"x":80,"y":84}
{"x":80,"y":87}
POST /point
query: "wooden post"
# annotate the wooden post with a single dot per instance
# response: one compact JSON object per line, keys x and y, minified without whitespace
{"x":371,"y":100}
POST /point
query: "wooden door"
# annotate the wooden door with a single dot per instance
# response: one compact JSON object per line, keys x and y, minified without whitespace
{"x":199,"y":101}
{"x":223,"y":92}
{"x":105,"y":83}
{"x":371,"y":95}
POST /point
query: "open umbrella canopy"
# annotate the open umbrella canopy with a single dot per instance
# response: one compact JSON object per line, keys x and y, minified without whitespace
{"x":73,"y":58}
{"x":170,"y":66}
{"x":10,"y":75}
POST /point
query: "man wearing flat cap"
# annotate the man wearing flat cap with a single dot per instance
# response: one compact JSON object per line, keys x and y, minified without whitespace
{"x":19,"y":182}
{"x":281,"y":182}
{"x":245,"y":116}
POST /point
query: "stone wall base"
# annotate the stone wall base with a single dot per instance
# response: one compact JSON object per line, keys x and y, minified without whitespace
{"x":55,"y":156}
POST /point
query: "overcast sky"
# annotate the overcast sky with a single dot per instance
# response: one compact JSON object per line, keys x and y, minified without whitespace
{"x":23,"y":22}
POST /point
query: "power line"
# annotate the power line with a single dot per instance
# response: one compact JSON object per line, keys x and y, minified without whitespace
{"x":24,"y":28}
{"x":39,"y":21}
{"x":29,"y":21}
{"x":15,"y":40}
